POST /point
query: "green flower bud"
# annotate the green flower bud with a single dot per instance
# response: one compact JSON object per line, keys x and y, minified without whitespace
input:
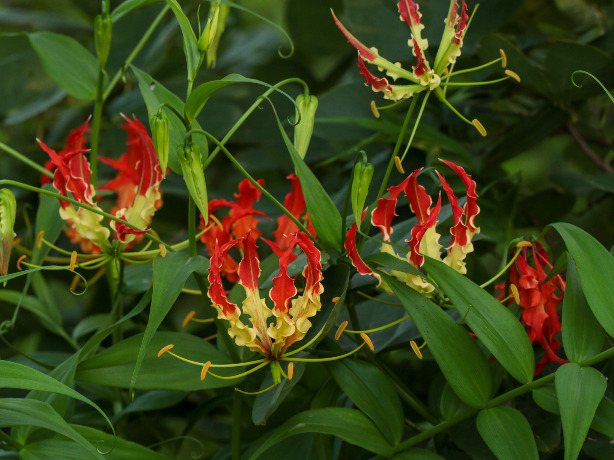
{"x":363,"y":173}
{"x":192,"y":169}
{"x":210,"y":38}
{"x":159,"y":132}
{"x":8,"y":208}
{"x":103,"y":25}
{"x":302,"y":131}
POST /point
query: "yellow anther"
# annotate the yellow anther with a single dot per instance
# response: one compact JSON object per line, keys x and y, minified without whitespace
{"x":524,"y":244}
{"x":340,"y":330}
{"x":416,"y":348}
{"x":39,"y":238}
{"x":217,"y":222}
{"x":19,"y":262}
{"x":515,"y":293}
{"x":479,"y":126}
{"x":513,"y":75}
{"x":374,"y":109}
{"x":203,"y":372}
{"x":397,"y":162}
{"x":188,"y":318}
{"x":503,"y":58}
{"x":336,"y":299}
{"x":290,"y":371}
{"x":73,"y":260}
{"x":162,"y":250}
{"x":165,"y":349}
{"x":367,"y":340}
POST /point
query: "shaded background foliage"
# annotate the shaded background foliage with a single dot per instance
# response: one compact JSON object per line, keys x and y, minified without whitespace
{"x":547,"y":158}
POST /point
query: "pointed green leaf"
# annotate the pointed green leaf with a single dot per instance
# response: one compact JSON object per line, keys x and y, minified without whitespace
{"x":458,"y":355}
{"x":348,"y":424}
{"x":579,"y":391}
{"x":169,"y":276}
{"x":595,"y":266}
{"x":583,"y":337}
{"x":496,"y":327}
{"x":373,"y":393}
{"x":19,"y":412}
{"x":72,"y":67}
{"x":190,"y":43}
{"x":127,"y":6}
{"x":417,"y":454}
{"x":267,"y":403}
{"x":507,"y":433}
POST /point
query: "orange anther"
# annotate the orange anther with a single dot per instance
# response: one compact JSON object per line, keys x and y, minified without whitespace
{"x":188,"y":318}
{"x":217,"y":222}
{"x":73,"y":260}
{"x":515,"y":293}
{"x":367,"y":340}
{"x":19,"y":262}
{"x":374,"y":109}
{"x":513,"y":75}
{"x":290,"y":370}
{"x":162,"y":250}
{"x":340,"y":330}
{"x":397,"y":162}
{"x":165,"y":349}
{"x":336,"y":299}
{"x":524,"y":244}
{"x":39,"y":238}
{"x":479,"y":126}
{"x":203,"y":372}
{"x":416,"y":348}
{"x":503,"y":58}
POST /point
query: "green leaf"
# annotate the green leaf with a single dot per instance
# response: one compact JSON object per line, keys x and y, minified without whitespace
{"x":201,"y":94}
{"x":348,"y":424}
{"x":496,"y":327}
{"x":115,"y":366}
{"x":595,"y":267}
{"x":579,"y":391}
{"x":458,"y":355}
{"x":127,"y":6}
{"x":450,"y":404}
{"x":169,"y":275}
{"x":155,"y":94}
{"x":583,"y":337}
{"x":373,"y":393}
{"x":30,"y":412}
{"x":322,"y":211}
{"x":47,"y":221}
{"x":190,"y":43}
{"x":266,"y":403}
{"x":68,"y":63}
{"x":507,"y":433}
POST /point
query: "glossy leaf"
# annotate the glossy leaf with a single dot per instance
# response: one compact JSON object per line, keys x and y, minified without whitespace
{"x":348,"y":424}
{"x":417,"y":454}
{"x":373,"y":393}
{"x":595,"y":267}
{"x":68,"y":63}
{"x":267,"y":403}
{"x":507,"y":433}
{"x":169,"y":276}
{"x":30,"y":412}
{"x":496,"y":327}
{"x":458,"y":355}
{"x":579,"y":391}
{"x":583,"y":337}
{"x":190,"y":43}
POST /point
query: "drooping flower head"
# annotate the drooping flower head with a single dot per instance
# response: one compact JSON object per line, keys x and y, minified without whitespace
{"x":424,"y":238}
{"x":539,"y":301}
{"x":270,"y":330}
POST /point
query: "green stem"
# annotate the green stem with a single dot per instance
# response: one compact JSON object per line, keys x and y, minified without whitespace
{"x":413,"y":131}
{"x":251,"y":179}
{"x":495,"y":402}
{"x":247,"y":113}
{"x":135,"y":51}
{"x":96,"y":126}
{"x":10,"y":441}
{"x":84,"y":206}
{"x":237,"y":406}
{"x":503,"y":270}
{"x":397,"y":147}
{"x":192,"y":226}
{"x":21,"y":157}
{"x":459,"y":72}
{"x":478,"y":83}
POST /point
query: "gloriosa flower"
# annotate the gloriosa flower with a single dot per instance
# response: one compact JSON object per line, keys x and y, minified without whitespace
{"x":137,"y":185}
{"x":423,"y":76}
{"x":270,"y":338}
{"x":539,"y":301}
{"x":424,"y":237}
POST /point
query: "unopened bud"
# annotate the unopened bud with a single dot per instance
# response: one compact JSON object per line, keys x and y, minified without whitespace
{"x":159,"y":133}
{"x":8,"y":209}
{"x":194,"y":177}
{"x":103,"y":27}
{"x":363,"y":173}
{"x":210,"y":38}
{"x":305,"y":114}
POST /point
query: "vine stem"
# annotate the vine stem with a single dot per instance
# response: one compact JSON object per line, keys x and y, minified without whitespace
{"x":495,"y":402}
{"x":21,"y":157}
{"x":96,"y":120}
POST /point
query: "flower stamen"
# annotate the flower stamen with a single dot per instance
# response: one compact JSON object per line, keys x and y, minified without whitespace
{"x":39,"y":238}
{"x":340,"y":330}
{"x":367,"y":340}
{"x":416,"y":348}
{"x":503,"y":58}
{"x":73,"y":260}
{"x":19,"y":262}
{"x":374,"y":110}
{"x":475,"y":122}
{"x":165,"y":349}
{"x":203,"y":372}
{"x":513,"y":75}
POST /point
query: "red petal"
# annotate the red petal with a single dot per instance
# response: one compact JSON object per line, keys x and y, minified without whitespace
{"x":417,"y":233}
{"x":462,"y":25}
{"x":459,"y":229}
{"x":313,"y":270}
{"x":419,"y":201}
{"x":471,"y":208}
{"x":365,"y":52}
{"x":420,"y":68}
{"x":283,"y":285}
{"x":383,"y":214}
{"x":216,"y":290}
{"x":295,"y":203}
{"x":378,"y":84}
{"x":249,"y":267}
{"x":409,"y":12}
{"x":350,"y":246}
{"x":122,"y":231}
{"x":452,"y":13}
